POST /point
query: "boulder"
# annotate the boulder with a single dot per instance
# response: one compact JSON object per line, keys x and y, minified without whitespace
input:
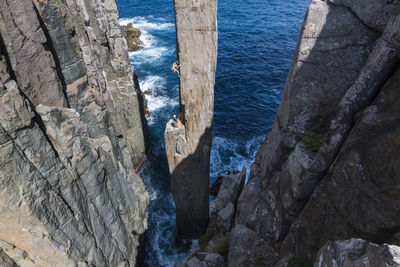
{"x":225,"y":217}
{"x":357,"y":252}
{"x":230,"y":189}
{"x":214,"y":260}
{"x":204,"y":259}
{"x":194,"y":262}
{"x":222,"y":210}
{"x":216,"y":185}
{"x":248,"y":249}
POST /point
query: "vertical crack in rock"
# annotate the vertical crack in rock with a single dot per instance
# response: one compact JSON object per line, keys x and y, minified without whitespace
{"x":49,"y":46}
{"x":188,"y":147}
{"x":13,"y":76}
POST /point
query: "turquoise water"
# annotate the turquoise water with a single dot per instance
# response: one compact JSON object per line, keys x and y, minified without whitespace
{"x":256,"y":43}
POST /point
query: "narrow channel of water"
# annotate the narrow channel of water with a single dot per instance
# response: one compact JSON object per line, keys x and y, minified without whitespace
{"x":256,"y":43}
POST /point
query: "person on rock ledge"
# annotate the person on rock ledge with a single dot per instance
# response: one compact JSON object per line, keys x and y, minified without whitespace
{"x":177,"y":122}
{"x":176,"y":68}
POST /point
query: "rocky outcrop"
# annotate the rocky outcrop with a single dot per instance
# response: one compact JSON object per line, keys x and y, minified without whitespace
{"x":216,"y":242}
{"x":358,"y":197}
{"x":6,"y":261}
{"x":132,"y":35}
{"x":196,"y":29}
{"x":328,"y":169}
{"x":357,"y":252}
{"x":72,"y":132}
{"x":222,"y":210}
{"x":247,"y":248}
{"x":204,"y":260}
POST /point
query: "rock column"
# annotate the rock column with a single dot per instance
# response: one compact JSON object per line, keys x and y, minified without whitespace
{"x":188,"y":149}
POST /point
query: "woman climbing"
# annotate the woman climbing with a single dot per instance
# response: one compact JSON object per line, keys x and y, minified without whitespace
{"x":176,"y":68}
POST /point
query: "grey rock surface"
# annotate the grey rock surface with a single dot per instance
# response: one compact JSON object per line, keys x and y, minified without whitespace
{"x":338,"y":87}
{"x":175,"y":144}
{"x":214,"y":260}
{"x":5,"y":260}
{"x":222,"y":210}
{"x":204,"y":259}
{"x":194,"y":262}
{"x":71,"y":134}
{"x":196,"y":29}
{"x":225,"y":217}
{"x":132,"y":35}
{"x":358,"y":197}
{"x":333,"y":38}
{"x":357,"y":253}
{"x":248,"y":249}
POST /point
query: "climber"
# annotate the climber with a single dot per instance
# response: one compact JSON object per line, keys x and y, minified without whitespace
{"x":176,"y":68}
{"x":177,"y":121}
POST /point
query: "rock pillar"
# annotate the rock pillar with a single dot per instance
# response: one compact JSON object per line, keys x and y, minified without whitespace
{"x":188,"y":149}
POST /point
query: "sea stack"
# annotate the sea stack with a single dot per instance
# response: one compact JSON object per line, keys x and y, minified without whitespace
{"x":188,"y":147}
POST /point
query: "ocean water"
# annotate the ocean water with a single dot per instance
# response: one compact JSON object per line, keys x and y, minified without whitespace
{"x":257,"y":39}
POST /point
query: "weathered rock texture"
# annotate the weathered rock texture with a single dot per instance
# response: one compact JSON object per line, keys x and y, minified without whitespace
{"x":222,"y":210}
{"x":204,"y":260}
{"x":132,"y":35}
{"x":196,"y":29}
{"x":216,"y":242}
{"x":344,"y":85}
{"x":357,"y":252}
{"x":247,"y":248}
{"x":71,"y":135}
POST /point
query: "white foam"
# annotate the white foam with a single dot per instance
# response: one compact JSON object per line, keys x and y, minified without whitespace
{"x":157,"y":99}
{"x":152,"y":51}
{"x":228,"y":154}
{"x":149,"y":55}
{"x":155,"y":103}
{"x":152,"y":82}
{"x":142,"y":23}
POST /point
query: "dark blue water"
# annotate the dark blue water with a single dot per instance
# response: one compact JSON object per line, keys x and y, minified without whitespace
{"x":256,"y":43}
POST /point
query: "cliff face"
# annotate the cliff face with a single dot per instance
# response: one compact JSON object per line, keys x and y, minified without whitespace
{"x":329,"y":168}
{"x":72,"y":132}
{"x":189,"y":156}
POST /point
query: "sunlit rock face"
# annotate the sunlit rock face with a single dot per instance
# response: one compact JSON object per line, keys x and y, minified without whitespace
{"x":72,"y":132}
{"x":196,"y":29}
